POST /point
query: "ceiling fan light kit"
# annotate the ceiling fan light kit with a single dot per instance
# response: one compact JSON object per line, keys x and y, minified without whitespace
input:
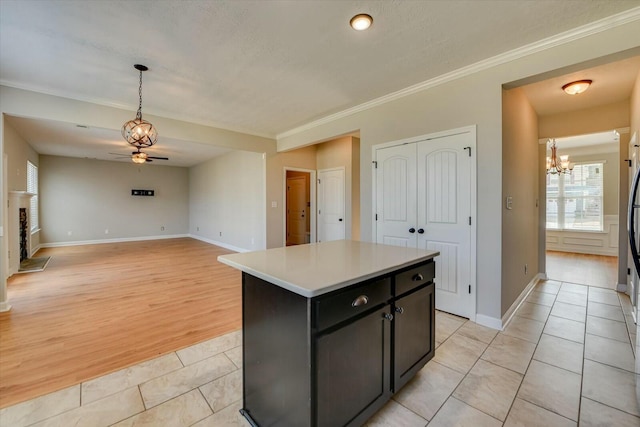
{"x":138,"y":132}
{"x":361,"y":22}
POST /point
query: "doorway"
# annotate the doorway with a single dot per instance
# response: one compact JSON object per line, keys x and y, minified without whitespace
{"x":299,"y":206}
{"x":582,"y":211}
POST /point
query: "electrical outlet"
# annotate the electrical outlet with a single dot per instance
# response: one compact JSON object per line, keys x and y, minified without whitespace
{"x":69,"y":233}
{"x":221,"y":234}
{"x":106,"y":231}
{"x":253,"y":241}
{"x":162,"y":228}
{"x":197,"y":228}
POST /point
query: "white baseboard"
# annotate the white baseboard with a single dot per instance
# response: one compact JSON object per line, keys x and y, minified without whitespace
{"x":120,"y":240}
{"x":500,"y":324}
{"x":35,"y":250}
{"x":489,"y":322}
{"x":221,"y":244}
{"x":525,"y":292}
{"x":4,"y":306}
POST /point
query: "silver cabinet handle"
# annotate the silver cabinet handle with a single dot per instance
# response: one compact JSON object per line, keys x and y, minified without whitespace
{"x":399,"y":310}
{"x":388,"y":316}
{"x":361,"y":300}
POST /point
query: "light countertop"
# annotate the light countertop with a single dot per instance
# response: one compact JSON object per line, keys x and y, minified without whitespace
{"x":317,"y":268}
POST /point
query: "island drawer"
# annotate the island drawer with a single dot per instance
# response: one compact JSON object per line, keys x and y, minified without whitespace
{"x":343,"y":304}
{"x":415,"y":277}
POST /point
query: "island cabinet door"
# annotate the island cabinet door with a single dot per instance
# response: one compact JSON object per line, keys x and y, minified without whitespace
{"x":353,"y":370}
{"x":414,"y":334}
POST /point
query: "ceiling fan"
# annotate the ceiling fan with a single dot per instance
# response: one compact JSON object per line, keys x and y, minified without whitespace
{"x":139,"y":156}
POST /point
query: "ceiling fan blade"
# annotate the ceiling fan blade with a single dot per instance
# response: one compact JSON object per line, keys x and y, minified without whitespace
{"x":157,"y":158}
{"x":120,"y":154}
{"x":148,"y":160}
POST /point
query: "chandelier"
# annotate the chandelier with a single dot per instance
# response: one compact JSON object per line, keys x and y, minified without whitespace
{"x":555,"y":166}
{"x":138,"y":132}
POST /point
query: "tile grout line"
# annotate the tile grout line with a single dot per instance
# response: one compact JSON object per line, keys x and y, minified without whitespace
{"x":530,"y":360}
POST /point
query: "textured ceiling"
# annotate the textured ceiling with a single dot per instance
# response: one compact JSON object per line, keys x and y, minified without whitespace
{"x":263,"y":67}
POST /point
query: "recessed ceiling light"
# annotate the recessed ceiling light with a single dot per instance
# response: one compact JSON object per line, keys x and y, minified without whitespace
{"x":361,"y":22}
{"x":577,"y":87}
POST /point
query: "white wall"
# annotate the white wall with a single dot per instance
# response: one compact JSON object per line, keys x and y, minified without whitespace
{"x":227,"y":201}
{"x":87,"y":197}
{"x":461,"y":100}
{"x":18,"y":152}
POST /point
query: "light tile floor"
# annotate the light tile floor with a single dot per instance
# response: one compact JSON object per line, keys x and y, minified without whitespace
{"x":564,"y":359}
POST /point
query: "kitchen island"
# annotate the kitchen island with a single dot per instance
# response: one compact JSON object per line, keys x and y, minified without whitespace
{"x":332,"y":330}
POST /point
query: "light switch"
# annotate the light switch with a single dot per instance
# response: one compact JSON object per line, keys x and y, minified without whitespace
{"x":509,"y":202}
{"x":274,"y":204}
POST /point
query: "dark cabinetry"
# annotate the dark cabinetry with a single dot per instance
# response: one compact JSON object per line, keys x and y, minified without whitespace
{"x":335,"y":359}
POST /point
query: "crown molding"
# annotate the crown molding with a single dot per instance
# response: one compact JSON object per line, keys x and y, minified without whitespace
{"x":595,"y":27}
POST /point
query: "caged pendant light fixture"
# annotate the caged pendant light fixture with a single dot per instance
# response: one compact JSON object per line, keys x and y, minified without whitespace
{"x":138,"y":132}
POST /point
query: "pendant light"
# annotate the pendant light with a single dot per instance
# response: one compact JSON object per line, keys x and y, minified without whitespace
{"x":555,"y":166}
{"x":138,"y":132}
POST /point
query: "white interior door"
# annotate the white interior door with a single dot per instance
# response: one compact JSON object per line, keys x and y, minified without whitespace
{"x":444,"y":218}
{"x":424,"y":193}
{"x":633,"y":277}
{"x":296,"y":210}
{"x":331,"y":205}
{"x":396,"y":195}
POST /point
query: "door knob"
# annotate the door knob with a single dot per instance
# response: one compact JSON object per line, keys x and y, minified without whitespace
{"x":388,"y":316}
{"x":420,"y":230}
{"x":412,"y":230}
{"x":399,"y":310}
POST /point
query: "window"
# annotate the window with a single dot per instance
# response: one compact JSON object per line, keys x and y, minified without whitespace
{"x":32,"y":187}
{"x":575,"y":201}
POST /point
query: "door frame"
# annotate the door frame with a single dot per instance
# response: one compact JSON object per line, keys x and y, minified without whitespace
{"x":472,"y":131}
{"x":312,"y":208}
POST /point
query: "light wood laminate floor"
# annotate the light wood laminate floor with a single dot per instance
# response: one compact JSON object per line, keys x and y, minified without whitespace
{"x":592,"y":270}
{"x":99,"y":308}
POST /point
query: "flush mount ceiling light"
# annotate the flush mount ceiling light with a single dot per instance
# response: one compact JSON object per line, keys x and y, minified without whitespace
{"x":137,"y":132}
{"x":577,"y":87}
{"x":361,"y":22}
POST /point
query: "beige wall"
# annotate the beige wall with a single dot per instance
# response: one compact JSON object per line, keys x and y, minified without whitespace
{"x":226,"y":200}
{"x":302,"y":159}
{"x":590,"y":120}
{"x":472,"y":98}
{"x":520,"y":168}
{"x":87,"y":197}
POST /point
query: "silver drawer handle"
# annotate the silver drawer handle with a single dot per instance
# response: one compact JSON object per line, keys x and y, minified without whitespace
{"x":417,"y":278}
{"x":399,"y":310}
{"x":361,"y":300}
{"x":388,"y":316}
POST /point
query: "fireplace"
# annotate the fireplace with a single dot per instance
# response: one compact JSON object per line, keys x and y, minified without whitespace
{"x":24,"y":230}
